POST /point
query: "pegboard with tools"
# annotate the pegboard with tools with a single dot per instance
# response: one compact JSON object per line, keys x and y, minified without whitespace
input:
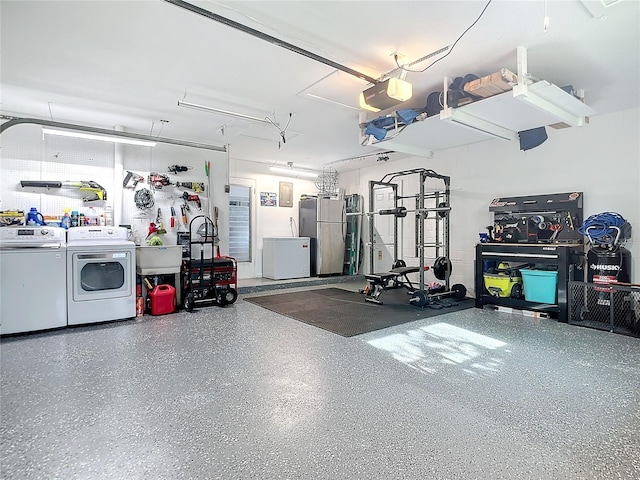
{"x":165,"y":202}
{"x":552,"y":218}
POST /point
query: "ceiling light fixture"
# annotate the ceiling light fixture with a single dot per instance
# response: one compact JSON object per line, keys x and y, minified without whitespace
{"x":102,"y":138}
{"x":195,"y":106}
{"x":385,"y":94}
{"x":292,"y":172}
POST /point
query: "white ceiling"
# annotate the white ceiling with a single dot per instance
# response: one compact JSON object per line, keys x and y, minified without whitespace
{"x":128,"y":63}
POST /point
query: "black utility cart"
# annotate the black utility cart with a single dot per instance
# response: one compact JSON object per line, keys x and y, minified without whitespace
{"x":207,"y":279}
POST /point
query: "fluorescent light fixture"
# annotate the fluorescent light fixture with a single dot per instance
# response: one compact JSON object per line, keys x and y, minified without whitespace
{"x":386,"y":94}
{"x":102,"y":138}
{"x":228,"y":113}
{"x":293,"y":173}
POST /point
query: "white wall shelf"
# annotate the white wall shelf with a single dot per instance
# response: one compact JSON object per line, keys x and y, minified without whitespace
{"x":528,"y":105}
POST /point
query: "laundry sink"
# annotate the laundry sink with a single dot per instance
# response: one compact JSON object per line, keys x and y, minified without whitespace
{"x":158,"y":260}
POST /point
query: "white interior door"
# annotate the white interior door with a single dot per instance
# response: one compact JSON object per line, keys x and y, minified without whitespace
{"x":383,"y":250}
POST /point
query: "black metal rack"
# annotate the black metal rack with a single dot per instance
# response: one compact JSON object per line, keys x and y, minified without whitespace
{"x":567,"y":258}
{"x":613,"y":307}
{"x":437,"y":203}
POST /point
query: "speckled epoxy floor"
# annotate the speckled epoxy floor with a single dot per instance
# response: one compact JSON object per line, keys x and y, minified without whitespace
{"x":241,"y":393}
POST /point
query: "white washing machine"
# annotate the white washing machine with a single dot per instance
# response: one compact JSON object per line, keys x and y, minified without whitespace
{"x":101,"y":275}
{"x":33,"y":279}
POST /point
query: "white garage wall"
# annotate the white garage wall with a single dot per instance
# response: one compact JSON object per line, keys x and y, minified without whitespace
{"x":601,"y":159}
{"x":28,"y":155}
{"x":267,"y":221}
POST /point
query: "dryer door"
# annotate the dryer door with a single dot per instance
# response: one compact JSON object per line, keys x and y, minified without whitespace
{"x":100,"y":275}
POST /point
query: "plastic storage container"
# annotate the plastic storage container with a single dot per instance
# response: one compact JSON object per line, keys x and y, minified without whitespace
{"x":162,"y":300}
{"x":540,"y":285}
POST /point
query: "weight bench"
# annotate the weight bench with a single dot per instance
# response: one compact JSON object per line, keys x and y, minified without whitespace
{"x":381,"y":282}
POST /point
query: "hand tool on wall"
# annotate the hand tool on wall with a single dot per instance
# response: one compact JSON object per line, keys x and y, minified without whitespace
{"x":173,"y":217}
{"x":93,"y":190}
{"x":197,"y":187}
{"x":179,"y":168}
{"x":184,"y":208}
{"x":189,"y":197}
{"x":158,"y":180}
{"x":161,"y":229}
{"x":132,"y":177}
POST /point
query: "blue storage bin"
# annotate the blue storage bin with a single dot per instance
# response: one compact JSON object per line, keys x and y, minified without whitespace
{"x":540,"y":285}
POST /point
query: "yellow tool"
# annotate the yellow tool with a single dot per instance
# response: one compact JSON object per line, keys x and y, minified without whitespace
{"x":96,"y":192}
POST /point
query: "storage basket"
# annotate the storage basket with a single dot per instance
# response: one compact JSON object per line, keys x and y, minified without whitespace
{"x":540,"y":285}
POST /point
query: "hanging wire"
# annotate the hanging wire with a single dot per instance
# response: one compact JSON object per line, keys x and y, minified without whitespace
{"x":281,"y":131}
{"x":450,"y":49}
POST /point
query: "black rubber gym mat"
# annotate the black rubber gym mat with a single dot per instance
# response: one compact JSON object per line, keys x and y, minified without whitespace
{"x":346,"y":313}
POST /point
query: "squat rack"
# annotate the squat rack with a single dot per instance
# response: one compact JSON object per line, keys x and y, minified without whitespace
{"x":441,"y":200}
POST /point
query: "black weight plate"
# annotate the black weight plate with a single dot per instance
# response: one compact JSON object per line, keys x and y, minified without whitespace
{"x":419,"y":298}
{"x":442,"y":268}
{"x":442,"y":205}
{"x":458,"y":291}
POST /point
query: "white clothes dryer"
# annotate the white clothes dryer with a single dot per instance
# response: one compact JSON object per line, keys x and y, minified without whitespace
{"x":101,"y":275}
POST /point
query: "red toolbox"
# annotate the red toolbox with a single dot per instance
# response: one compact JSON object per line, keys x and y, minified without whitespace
{"x":162,"y":300}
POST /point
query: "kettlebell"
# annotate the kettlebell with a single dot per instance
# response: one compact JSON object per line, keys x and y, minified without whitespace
{"x":34,"y":217}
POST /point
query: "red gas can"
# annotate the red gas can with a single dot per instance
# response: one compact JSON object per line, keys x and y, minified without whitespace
{"x":162,"y":300}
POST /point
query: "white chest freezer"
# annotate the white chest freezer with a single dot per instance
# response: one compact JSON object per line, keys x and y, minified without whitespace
{"x":286,"y":257}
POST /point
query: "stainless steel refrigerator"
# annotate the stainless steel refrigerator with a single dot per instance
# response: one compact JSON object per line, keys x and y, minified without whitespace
{"x":323,"y":220}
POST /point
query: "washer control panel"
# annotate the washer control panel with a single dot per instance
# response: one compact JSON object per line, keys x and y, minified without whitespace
{"x":25,"y":236}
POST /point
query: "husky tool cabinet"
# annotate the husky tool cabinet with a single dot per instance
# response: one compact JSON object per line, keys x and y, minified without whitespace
{"x":539,"y":236}
{"x":567,"y":259}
